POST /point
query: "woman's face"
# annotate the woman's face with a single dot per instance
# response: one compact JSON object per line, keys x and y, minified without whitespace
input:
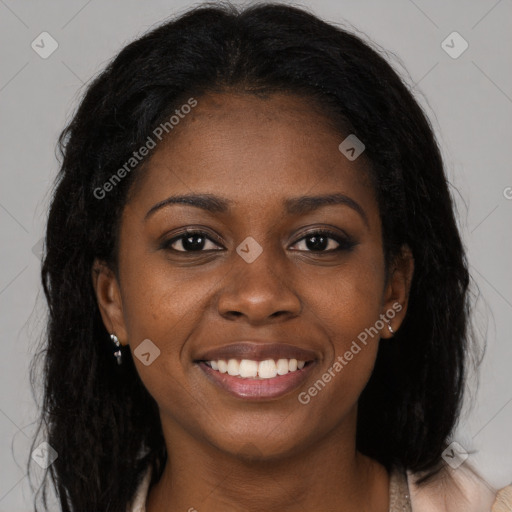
{"x":259,"y":282}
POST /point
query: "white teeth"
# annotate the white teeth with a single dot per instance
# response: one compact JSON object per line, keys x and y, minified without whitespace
{"x":223,"y":366}
{"x":282,"y":366}
{"x":267,"y":369}
{"x":233,"y":367}
{"x":247,"y":368}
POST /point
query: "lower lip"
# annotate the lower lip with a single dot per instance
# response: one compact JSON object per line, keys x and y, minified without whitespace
{"x":258,"y":389}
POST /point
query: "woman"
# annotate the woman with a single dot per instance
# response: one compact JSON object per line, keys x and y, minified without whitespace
{"x":256,"y":286}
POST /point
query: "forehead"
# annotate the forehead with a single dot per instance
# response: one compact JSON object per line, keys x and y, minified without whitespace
{"x":251,"y":148}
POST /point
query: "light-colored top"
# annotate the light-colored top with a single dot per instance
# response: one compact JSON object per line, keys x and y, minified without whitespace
{"x":470,"y":494}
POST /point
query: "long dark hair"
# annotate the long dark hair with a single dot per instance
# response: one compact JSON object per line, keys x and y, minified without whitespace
{"x":98,"y":416}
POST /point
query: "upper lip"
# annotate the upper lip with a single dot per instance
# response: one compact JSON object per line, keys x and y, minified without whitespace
{"x":257,"y":351}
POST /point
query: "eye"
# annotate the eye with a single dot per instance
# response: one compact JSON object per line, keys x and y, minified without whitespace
{"x":320,"y":241}
{"x":191,"y":241}
{"x":324,"y":241}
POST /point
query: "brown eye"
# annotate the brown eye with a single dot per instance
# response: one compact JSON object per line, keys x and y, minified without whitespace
{"x":191,"y":241}
{"x":324,"y":241}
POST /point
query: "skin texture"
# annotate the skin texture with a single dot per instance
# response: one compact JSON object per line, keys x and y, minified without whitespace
{"x":226,"y":453}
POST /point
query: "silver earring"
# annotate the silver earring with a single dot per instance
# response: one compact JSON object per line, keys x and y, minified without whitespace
{"x":118,"y":355}
{"x":390,"y":328}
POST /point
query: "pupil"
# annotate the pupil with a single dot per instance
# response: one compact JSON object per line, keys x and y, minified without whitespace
{"x":193,"y":246}
{"x":319,"y":243}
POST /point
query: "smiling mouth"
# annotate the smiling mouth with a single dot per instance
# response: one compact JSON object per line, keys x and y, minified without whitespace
{"x":257,"y":380}
{"x":255,"y":370}
{"x":252,"y":369}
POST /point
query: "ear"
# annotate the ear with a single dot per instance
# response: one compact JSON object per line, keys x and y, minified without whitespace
{"x":396,"y":293}
{"x":108,"y":296}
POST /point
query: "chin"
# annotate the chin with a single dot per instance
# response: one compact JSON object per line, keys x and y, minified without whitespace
{"x":263,"y":445}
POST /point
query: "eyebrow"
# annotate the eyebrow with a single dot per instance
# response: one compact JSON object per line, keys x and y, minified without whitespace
{"x":305,"y":204}
{"x":293,"y":206}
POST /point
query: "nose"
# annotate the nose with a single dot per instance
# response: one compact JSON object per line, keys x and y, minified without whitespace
{"x":259,"y":291}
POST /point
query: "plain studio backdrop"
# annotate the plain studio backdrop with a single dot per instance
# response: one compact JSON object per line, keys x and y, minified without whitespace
{"x":456,"y":57}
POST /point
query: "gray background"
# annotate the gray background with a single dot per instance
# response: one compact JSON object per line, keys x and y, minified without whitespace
{"x":468,"y":99}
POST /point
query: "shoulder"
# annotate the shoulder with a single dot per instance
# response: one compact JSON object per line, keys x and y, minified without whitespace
{"x":452,"y":490}
{"x":503,"y":501}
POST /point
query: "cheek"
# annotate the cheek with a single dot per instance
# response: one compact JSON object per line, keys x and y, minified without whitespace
{"x":347,"y":304}
{"x":349,"y":298}
{"x":159,"y":301}
{"x":164,"y":305}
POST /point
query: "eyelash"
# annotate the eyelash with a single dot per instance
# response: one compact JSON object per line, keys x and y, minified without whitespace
{"x":344,"y":243}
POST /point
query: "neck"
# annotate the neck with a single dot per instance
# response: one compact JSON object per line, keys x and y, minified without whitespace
{"x":329,"y":475}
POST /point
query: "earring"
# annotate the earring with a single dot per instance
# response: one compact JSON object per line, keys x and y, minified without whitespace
{"x":391,"y":330}
{"x":118,"y":355}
